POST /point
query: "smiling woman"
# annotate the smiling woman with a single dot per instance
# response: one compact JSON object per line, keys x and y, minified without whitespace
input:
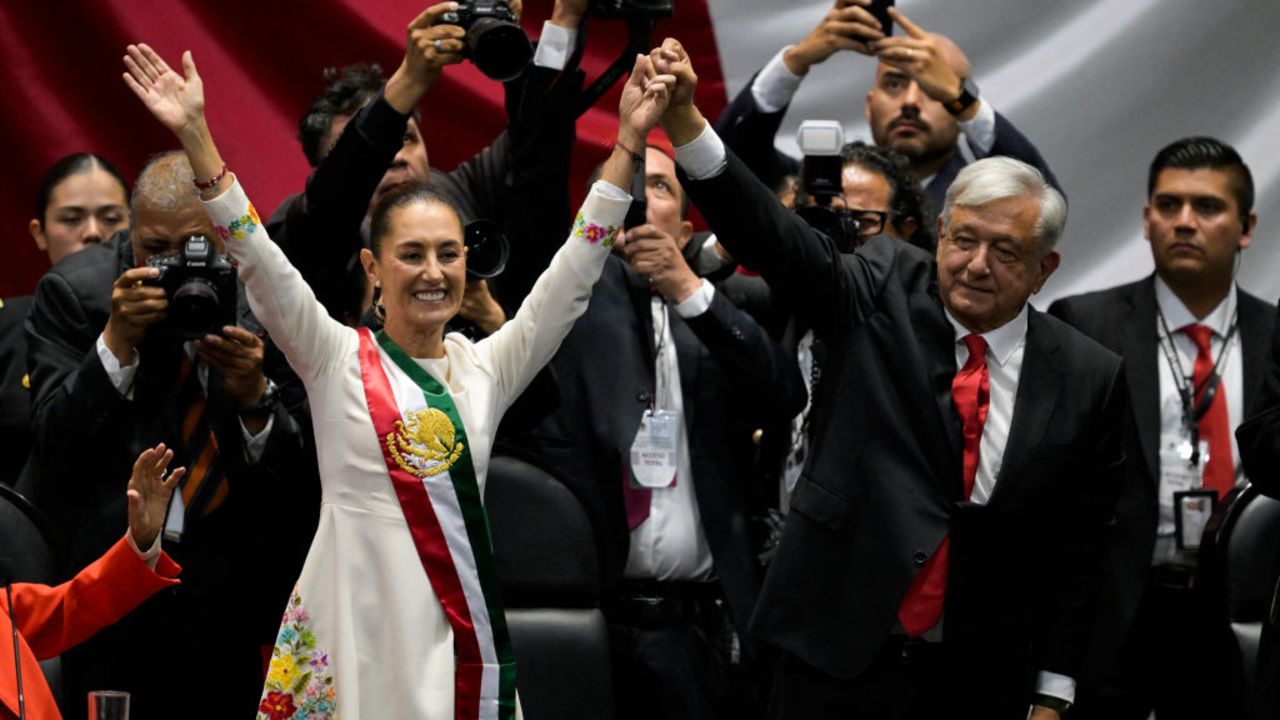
{"x":396,"y":613}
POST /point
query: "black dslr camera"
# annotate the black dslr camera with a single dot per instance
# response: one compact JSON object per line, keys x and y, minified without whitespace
{"x":631,"y":8}
{"x":821,"y":142}
{"x":495,"y":41}
{"x":201,"y":287}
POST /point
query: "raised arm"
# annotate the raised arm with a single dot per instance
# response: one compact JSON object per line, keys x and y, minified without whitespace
{"x":279,"y":296}
{"x":524,"y":345}
{"x":750,"y":123}
{"x":804,"y":268}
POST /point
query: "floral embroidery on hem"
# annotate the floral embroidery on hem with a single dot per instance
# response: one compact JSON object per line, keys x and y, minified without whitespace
{"x":240,"y":227}
{"x":603,"y":235}
{"x":299,"y":682}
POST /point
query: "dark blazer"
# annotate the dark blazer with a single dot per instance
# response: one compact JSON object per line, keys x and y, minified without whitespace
{"x":731,"y":374}
{"x":883,"y":483}
{"x":207,"y":632}
{"x":1259,"y":436}
{"x":750,"y":132}
{"x":1123,"y":319}
{"x":15,"y":393}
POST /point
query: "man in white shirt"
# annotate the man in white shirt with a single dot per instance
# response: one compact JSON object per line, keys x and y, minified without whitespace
{"x":924,"y":103}
{"x":1195,"y":345}
{"x":662,"y":382}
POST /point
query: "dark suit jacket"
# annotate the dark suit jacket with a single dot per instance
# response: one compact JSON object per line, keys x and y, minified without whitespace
{"x":1259,"y":436}
{"x":1123,"y":319}
{"x":750,"y":132}
{"x":731,"y":374}
{"x":883,"y":483}
{"x":15,"y":395}
{"x":86,"y":436}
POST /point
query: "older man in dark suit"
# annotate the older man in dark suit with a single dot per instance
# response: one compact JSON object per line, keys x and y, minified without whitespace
{"x":967,"y":461}
{"x":111,"y":377}
{"x":1195,"y":345}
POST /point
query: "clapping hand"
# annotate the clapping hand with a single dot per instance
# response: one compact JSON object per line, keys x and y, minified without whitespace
{"x":149,"y":492}
{"x":177,"y":101}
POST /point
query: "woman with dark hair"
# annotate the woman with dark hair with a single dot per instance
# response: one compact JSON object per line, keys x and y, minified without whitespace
{"x":396,"y":613}
{"x":82,"y":200}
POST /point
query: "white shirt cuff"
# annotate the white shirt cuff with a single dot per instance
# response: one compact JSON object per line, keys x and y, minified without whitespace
{"x":612,"y":191}
{"x":554,"y":46}
{"x":1059,"y":686}
{"x":704,"y":157}
{"x":151,"y":556}
{"x":709,"y":258}
{"x":981,"y":129}
{"x":121,"y":376}
{"x":254,"y":445}
{"x":698,"y":302}
{"x":775,"y":85}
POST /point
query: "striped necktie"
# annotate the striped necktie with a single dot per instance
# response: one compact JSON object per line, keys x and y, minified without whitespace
{"x":205,"y":486}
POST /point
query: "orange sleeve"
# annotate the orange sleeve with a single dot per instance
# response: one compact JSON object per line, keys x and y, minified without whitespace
{"x":53,"y":619}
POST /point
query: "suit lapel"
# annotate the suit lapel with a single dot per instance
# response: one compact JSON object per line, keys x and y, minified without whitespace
{"x":1039,"y":386}
{"x":937,"y":344}
{"x":1139,"y":348}
{"x":1256,"y":325}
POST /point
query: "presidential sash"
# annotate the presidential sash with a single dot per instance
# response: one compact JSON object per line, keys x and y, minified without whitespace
{"x":426,"y":451}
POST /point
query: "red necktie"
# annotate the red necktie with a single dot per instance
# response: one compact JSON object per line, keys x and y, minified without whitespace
{"x":1214,"y":425}
{"x":921,"y":607}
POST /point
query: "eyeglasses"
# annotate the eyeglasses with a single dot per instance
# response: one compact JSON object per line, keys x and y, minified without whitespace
{"x":870,"y":222}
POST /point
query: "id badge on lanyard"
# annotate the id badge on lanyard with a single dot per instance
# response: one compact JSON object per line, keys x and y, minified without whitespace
{"x":655,"y":450}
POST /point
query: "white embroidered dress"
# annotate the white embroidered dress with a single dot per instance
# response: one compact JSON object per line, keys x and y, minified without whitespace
{"x":364,"y":635}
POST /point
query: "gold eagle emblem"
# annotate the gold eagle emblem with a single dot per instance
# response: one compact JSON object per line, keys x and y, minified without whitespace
{"x":425,"y":445}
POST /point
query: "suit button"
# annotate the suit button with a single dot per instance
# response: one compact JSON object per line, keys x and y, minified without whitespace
{"x":642,"y":396}
{"x":920,"y":557}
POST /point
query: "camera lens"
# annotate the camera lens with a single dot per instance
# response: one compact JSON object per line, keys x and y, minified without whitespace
{"x":194,"y":308}
{"x":500,"y":49}
{"x":487,"y":248}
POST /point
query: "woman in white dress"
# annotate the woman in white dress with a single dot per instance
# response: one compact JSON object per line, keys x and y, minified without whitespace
{"x":395,"y":614}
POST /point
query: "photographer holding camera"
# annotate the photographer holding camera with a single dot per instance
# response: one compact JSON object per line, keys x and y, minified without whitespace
{"x":924,"y":103}
{"x":362,"y":137}
{"x":115,"y":369}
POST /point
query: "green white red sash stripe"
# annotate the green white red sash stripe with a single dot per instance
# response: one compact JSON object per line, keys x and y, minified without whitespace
{"x":450,"y":530}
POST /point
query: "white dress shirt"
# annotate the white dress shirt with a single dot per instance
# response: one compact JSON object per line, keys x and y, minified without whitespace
{"x":1172,"y":429}
{"x":1005,"y":347}
{"x":670,"y":544}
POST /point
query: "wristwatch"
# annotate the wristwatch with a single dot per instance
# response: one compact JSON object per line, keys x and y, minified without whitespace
{"x":266,"y":404}
{"x":1056,"y":704}
{"x":968,"y":96}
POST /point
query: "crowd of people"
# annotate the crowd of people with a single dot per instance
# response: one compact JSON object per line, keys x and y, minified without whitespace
{"x":847,"y":472}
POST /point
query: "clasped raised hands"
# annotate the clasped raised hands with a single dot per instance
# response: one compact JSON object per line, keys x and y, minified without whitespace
{"x":644,"y":99}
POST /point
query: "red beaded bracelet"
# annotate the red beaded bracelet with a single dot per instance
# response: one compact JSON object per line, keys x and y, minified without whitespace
{"x":635,"y":156}
{"x":211,"y":184}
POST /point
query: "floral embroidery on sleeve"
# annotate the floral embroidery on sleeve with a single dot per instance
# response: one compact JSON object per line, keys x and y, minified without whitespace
{"x":603,"y":235}
{"x":299,"y":681}
{"x":241,"y":226}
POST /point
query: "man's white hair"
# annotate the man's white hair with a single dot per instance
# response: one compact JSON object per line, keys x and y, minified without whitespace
{"x":998,"y":178}
{"x":165,"y":184}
